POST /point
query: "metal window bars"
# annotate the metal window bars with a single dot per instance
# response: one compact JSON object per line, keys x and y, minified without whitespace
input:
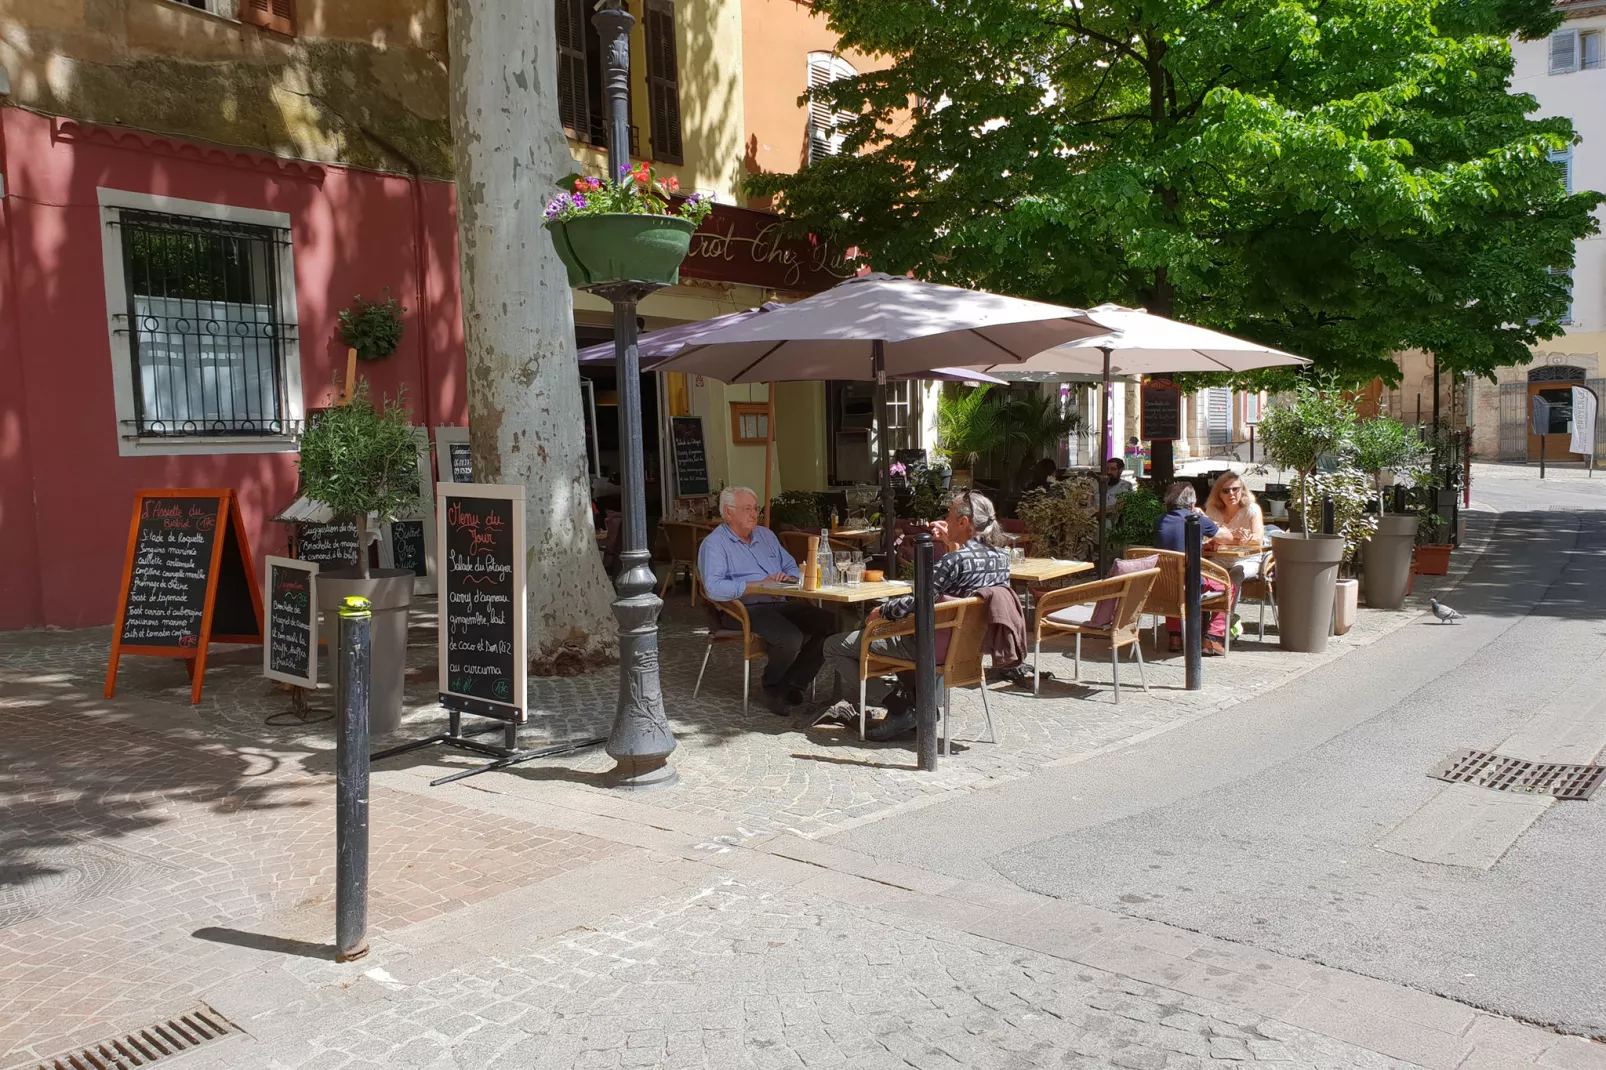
{"x":207,"y":334}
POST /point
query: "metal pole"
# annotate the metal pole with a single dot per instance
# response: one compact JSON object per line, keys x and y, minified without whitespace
{"x":1193,"y":582}
{"x":1104,"y":453}
{"x":1251,"y":443}
{"x":351,"y":782}
{"x":925,"y":654}
{"x":640,"y":742}
{"x":1542,"y":440}
{"x":889,"y":527}
{"x":1328,"y":521}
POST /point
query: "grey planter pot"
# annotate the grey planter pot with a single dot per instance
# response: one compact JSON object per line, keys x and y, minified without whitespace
{"x":1386,"y":561}
{"x":391,"y":592}
{"x":1307,"y":575}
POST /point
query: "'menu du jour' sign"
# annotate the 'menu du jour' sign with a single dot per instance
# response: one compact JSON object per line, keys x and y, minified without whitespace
{"x":187,"y":581}
{"x":480,"y":536}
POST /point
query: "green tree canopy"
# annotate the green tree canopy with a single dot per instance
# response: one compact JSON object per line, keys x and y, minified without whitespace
{"x":1338,"y":178}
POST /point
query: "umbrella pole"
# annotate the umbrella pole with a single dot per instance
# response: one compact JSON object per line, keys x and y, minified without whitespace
{"x":1104,"y":452}
{"x":769,"y":457}
{"x":878,"y":368}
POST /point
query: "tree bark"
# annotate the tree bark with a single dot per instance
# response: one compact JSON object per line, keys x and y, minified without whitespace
{"x":524,"y":403}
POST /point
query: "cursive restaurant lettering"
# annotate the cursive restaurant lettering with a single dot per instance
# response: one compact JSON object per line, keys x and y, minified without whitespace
{"x":739,"y":245}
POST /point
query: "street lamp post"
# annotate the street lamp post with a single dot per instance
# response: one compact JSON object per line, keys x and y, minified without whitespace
{"x":640,"y":742}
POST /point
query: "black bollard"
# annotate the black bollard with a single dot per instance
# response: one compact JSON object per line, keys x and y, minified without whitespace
{"x":351,"y":782}
{"x":1192,"y":624}
{"x":1327,"y":514}
{"x":925,"y":655}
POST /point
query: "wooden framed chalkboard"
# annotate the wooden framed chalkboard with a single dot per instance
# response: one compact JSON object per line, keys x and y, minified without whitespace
{"x":188,"y":581}
{"x":290,"y":652}
{"x":482,"y":657}
{"x":691,"y":456}
{"x":453,"y":461}
{"x":1162,"y":411}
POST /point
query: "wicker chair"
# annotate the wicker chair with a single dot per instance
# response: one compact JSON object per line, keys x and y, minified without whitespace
{"x":718,"y":632}
{"x":1168,"y":598}
{"x":966,"y":621}
{"x":683,"y":539}
{"x":1069,"y":611}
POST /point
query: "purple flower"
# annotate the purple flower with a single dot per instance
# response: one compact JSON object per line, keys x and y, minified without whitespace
{"x":555,"y":207}
{"x":578,"y":200}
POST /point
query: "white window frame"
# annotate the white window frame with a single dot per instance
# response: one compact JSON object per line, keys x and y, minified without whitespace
{"x":1564,"y":158}
{"x":112,"y":202}
{"x":223,"y":9}
{"x":1600,"y":53}
{"x":823,"y":69}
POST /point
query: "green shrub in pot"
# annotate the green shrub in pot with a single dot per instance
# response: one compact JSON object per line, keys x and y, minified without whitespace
{"x":1390,"y":452}
{"x":1316,"y":423}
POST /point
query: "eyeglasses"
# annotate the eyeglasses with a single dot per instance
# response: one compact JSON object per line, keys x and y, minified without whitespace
{"x":1232,"y":490}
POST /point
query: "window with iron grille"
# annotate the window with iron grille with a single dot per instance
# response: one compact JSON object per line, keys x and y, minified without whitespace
{"x":201,"y":299}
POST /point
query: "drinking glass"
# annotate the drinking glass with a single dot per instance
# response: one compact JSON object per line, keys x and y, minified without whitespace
{"x":855,"y":573}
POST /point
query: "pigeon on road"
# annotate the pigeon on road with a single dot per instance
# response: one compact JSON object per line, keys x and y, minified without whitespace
{"x":1444,"y":612}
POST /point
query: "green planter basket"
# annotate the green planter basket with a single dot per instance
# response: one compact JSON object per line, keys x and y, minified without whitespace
{"x":622,"y":247}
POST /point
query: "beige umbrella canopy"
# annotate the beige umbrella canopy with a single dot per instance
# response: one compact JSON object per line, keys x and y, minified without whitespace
{"x":1140,"y":343}
{"x":878,"y":326}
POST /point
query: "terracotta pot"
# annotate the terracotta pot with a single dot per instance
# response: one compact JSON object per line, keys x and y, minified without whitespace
{"x":622,"y":247}
{"x":1307,"y":575}
{"x":1433,"y":560}
{"x":1386,"y":560}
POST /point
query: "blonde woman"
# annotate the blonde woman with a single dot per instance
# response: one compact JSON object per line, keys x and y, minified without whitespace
{"x":1232,"y":506}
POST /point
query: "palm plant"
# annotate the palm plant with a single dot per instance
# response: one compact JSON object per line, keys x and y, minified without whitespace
{"x":968,"y":425}
{"x":1033,"y":424}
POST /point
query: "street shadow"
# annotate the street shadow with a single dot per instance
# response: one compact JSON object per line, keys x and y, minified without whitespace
{"x":279,"y":945}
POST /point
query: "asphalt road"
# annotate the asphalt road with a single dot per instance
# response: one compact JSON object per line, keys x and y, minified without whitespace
{"x":1259,"y":824}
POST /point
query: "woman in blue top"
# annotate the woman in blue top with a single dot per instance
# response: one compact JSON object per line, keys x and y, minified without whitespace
{"x":1181,"y":501}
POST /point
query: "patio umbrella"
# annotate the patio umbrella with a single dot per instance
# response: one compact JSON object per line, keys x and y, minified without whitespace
{"x":878,"y":326}
{"x":1140,"y":343}
{"x":654,"y":347}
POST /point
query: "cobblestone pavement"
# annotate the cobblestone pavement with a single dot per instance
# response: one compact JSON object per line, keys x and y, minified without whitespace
{"x":156,"y":854}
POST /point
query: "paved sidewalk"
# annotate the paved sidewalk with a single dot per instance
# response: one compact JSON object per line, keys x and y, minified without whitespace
{"x":158,"y":855}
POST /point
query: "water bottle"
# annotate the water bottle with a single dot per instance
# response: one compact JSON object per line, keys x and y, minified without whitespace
{"x":826,"y":560}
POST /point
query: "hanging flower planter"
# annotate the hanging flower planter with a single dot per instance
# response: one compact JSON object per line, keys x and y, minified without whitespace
{"x":607,"y":232}
{"x":622,"y":247}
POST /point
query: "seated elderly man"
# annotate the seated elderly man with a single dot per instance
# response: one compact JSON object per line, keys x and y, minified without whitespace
{"x":739,"y":554}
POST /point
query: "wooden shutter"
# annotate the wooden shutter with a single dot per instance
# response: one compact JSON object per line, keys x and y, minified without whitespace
{"x":824,"y":124}
{"x":276,"y":15}
{"x":1563,"y":51}
{"x":663,"y":81}
{"x":574,"y":97}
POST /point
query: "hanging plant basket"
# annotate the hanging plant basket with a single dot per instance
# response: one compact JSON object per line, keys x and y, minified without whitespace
{"x":622,"y":247}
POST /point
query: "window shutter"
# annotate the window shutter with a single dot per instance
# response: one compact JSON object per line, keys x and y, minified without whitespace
{"x":1563,"y":158}
{"x":824,"y":124}
{"x":276,"y":15}
{"x":574,"y":98}
{"x":1564,"y":51}
{"x":663,"y":81}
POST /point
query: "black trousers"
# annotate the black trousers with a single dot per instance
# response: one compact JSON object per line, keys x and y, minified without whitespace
{"x":795,"y":633}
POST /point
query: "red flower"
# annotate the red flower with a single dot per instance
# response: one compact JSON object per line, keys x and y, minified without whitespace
{"x":672,"y":184}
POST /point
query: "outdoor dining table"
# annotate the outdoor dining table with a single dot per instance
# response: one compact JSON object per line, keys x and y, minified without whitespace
{"x":1043,"y":569}
{"x":838,"y":593}
{"x":856,"y":534}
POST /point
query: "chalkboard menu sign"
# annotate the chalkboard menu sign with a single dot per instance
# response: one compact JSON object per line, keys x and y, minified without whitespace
{"x":483,"y":664}
{"x":462,"y":463}
{"x":333,"y":544}
{"x":407,"y":546}
{"x":691,"y":457}
{"x":291,"y":651}
{"x":187,"y":580}
{"x":1162,"y":411}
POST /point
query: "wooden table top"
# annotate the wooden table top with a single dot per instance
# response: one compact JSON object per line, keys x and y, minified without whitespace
{"x":855,"y":533}
{"x":1042,"y":569}
{"x":1237,"y":551}
{"x":838,"y":592}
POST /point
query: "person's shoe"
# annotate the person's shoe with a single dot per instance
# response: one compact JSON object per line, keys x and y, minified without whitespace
{"x":891,"y":727}
{"x":1176,"y":644}
{"x":1214,"y":648}
{"x":775,"y":699}
{"x":794,"y":696}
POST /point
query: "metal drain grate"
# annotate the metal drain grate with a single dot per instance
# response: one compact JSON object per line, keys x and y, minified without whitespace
{"x":1573,"y":782}
{"x":177,"y":1035}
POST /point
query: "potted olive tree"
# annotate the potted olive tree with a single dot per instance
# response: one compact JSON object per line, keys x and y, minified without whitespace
{"x":624,"y":230}
{"x":361,"y":462}
{"x":1389,"y":452}
{"x":1317,"y":422}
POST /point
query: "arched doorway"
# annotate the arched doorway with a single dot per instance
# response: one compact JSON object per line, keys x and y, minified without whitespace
{"x":1554,"y":383}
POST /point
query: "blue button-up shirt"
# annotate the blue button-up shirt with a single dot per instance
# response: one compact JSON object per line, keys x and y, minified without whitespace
{"x":728,"y":564}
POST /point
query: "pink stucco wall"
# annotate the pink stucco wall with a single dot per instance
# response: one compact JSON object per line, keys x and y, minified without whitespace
{"x":65,"y":494}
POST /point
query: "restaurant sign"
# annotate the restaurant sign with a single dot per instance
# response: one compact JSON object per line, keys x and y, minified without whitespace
{"x":744,"y":246}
